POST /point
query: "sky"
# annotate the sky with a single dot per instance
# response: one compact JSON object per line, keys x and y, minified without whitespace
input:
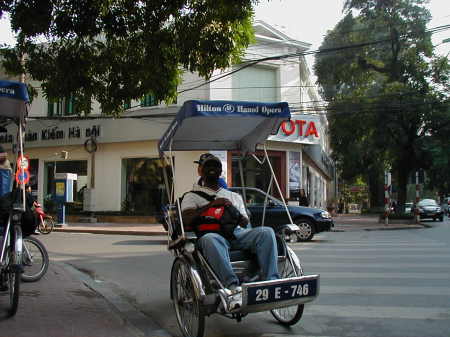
{"x":309,"y":20}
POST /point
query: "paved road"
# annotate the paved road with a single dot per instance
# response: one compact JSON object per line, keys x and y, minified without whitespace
{"x":373,"y":283}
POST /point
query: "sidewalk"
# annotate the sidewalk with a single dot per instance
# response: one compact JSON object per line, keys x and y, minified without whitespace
{"x":60,"y":305}
{"x":113,"y":228}
{"x":342,"y":223}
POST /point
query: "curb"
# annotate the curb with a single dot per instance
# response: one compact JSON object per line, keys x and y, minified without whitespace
{"x":111,"y":231}
{"x":135,"y":319}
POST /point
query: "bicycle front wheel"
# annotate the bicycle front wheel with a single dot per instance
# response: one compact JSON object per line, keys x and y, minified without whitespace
{"x":46,"y":225}
{"x":188,"y":309}
{"x":12,"y":272}
{"x":35,"y":259}
{"x":292,"y":314}
{"x":13,"y":289}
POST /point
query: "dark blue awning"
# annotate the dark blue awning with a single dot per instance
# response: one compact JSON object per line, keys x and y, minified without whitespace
{"x":13,"y":100}
{"x":223,"y":125}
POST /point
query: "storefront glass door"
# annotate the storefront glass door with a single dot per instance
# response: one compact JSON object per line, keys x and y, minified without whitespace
{"x":143,"y":191}
{"x":257,"y":175}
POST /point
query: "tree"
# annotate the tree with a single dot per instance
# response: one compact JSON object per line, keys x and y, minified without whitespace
{"x":389,"y":90}
{"x":116,"y":51}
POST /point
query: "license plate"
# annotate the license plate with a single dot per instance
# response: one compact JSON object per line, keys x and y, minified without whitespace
{"x":283,"y":290}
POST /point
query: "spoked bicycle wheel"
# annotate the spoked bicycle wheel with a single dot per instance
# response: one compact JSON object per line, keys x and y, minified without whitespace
{"x":12,"y":273}
{"x":189,"y":312}
{"x":46,"y":225}
{"x":34,"y":259}
{"x":13,"y":276}
{"x":292,"y":314}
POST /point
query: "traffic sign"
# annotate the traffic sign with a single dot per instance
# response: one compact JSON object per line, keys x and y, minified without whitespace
{"x":23,"y":162}
{"x":22,"y":177}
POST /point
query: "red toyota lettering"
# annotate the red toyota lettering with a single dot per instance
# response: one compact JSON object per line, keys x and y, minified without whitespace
{"x":300,"y":124}
{"x":291,"y":127}
{"x":311,"y":130}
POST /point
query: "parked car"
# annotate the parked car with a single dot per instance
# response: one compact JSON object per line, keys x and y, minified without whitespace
{"x":446,"y":206}
{"x":429,"y":209}
{"x":408,"y":207}
{"x":310,"y":220}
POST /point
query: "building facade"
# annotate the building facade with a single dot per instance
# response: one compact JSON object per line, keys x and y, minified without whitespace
{"x":117,"y":162}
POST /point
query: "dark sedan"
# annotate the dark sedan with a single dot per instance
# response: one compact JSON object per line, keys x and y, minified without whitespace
{"x":309,"y":220}
{"x":429,"y":209}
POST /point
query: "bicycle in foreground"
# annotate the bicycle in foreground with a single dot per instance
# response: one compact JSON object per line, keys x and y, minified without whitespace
{"x":14,"y":106}
{"x":195,"y":288}
{"x":11,"y":264}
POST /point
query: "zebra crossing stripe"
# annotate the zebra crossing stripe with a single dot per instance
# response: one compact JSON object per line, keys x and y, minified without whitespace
{"x":372,"y":265}
{"x":377,"y":256}
{"x":385,"y":312}
{"x":388,"y":275}
{"x":385,"y":290}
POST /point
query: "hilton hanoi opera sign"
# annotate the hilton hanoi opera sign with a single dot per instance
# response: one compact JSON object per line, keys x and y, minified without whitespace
{"x":302,"y":129}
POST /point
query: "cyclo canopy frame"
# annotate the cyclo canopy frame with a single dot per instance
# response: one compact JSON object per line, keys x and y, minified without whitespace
{"x":14,"y":106}
{"x":222,"y":125}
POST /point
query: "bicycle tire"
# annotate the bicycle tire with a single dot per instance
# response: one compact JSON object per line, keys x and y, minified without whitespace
{"x":13,"y":273}
{"x":34,"y":259}
{"x":288,"y":316}
{"x":186,"y":302}
{"x":46,"y":225}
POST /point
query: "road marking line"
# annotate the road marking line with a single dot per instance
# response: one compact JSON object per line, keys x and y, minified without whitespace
{"x":385,"y":290}
{"x":399,"y":249}
{"x":388,"y":276}
{"x":379,"y":256}
{"x":373,"y":265}
{"x":386,"y":312}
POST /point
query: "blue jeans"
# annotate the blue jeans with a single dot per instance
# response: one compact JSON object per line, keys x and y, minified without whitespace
{"x":259,"y":240}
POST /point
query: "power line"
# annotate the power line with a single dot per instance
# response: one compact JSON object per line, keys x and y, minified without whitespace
{"x":297,"y":54}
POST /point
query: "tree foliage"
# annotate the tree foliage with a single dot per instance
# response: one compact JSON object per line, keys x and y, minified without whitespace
{"x":114,"y":51}
{"x":389,"y":95}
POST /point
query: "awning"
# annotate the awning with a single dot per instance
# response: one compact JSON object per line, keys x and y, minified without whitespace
{"x":13,"y":100}
{"x":223,"y":125}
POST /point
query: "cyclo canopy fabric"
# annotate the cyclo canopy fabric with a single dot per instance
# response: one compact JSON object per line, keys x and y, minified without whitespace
{"x":14,"y":100}
{"x":223,"y":125}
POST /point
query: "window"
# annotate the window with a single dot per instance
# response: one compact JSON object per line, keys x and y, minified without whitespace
{"x":127,"y":105}
{"x":149,"y":100}
{"x":143,"y":189}
{"x":256,"y":175}
{"x":256,"y":84}
{"x":64,"y":107}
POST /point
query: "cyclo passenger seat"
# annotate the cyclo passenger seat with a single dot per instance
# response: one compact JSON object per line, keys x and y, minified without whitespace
{"x":236,"y":255}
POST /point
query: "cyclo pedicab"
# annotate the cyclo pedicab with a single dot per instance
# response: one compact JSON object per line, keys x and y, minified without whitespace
{"x":14,"y":105}
{"x":194,"y":286}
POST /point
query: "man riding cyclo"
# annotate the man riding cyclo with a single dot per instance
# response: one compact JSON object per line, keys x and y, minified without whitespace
{"x":203,"y":210}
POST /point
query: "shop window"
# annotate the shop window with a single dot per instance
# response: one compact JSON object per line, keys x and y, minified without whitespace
{"x":143,"y":189}
{"x":33,"y":169}
{"x":257,"y":175}
{"x":68,"y":166}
